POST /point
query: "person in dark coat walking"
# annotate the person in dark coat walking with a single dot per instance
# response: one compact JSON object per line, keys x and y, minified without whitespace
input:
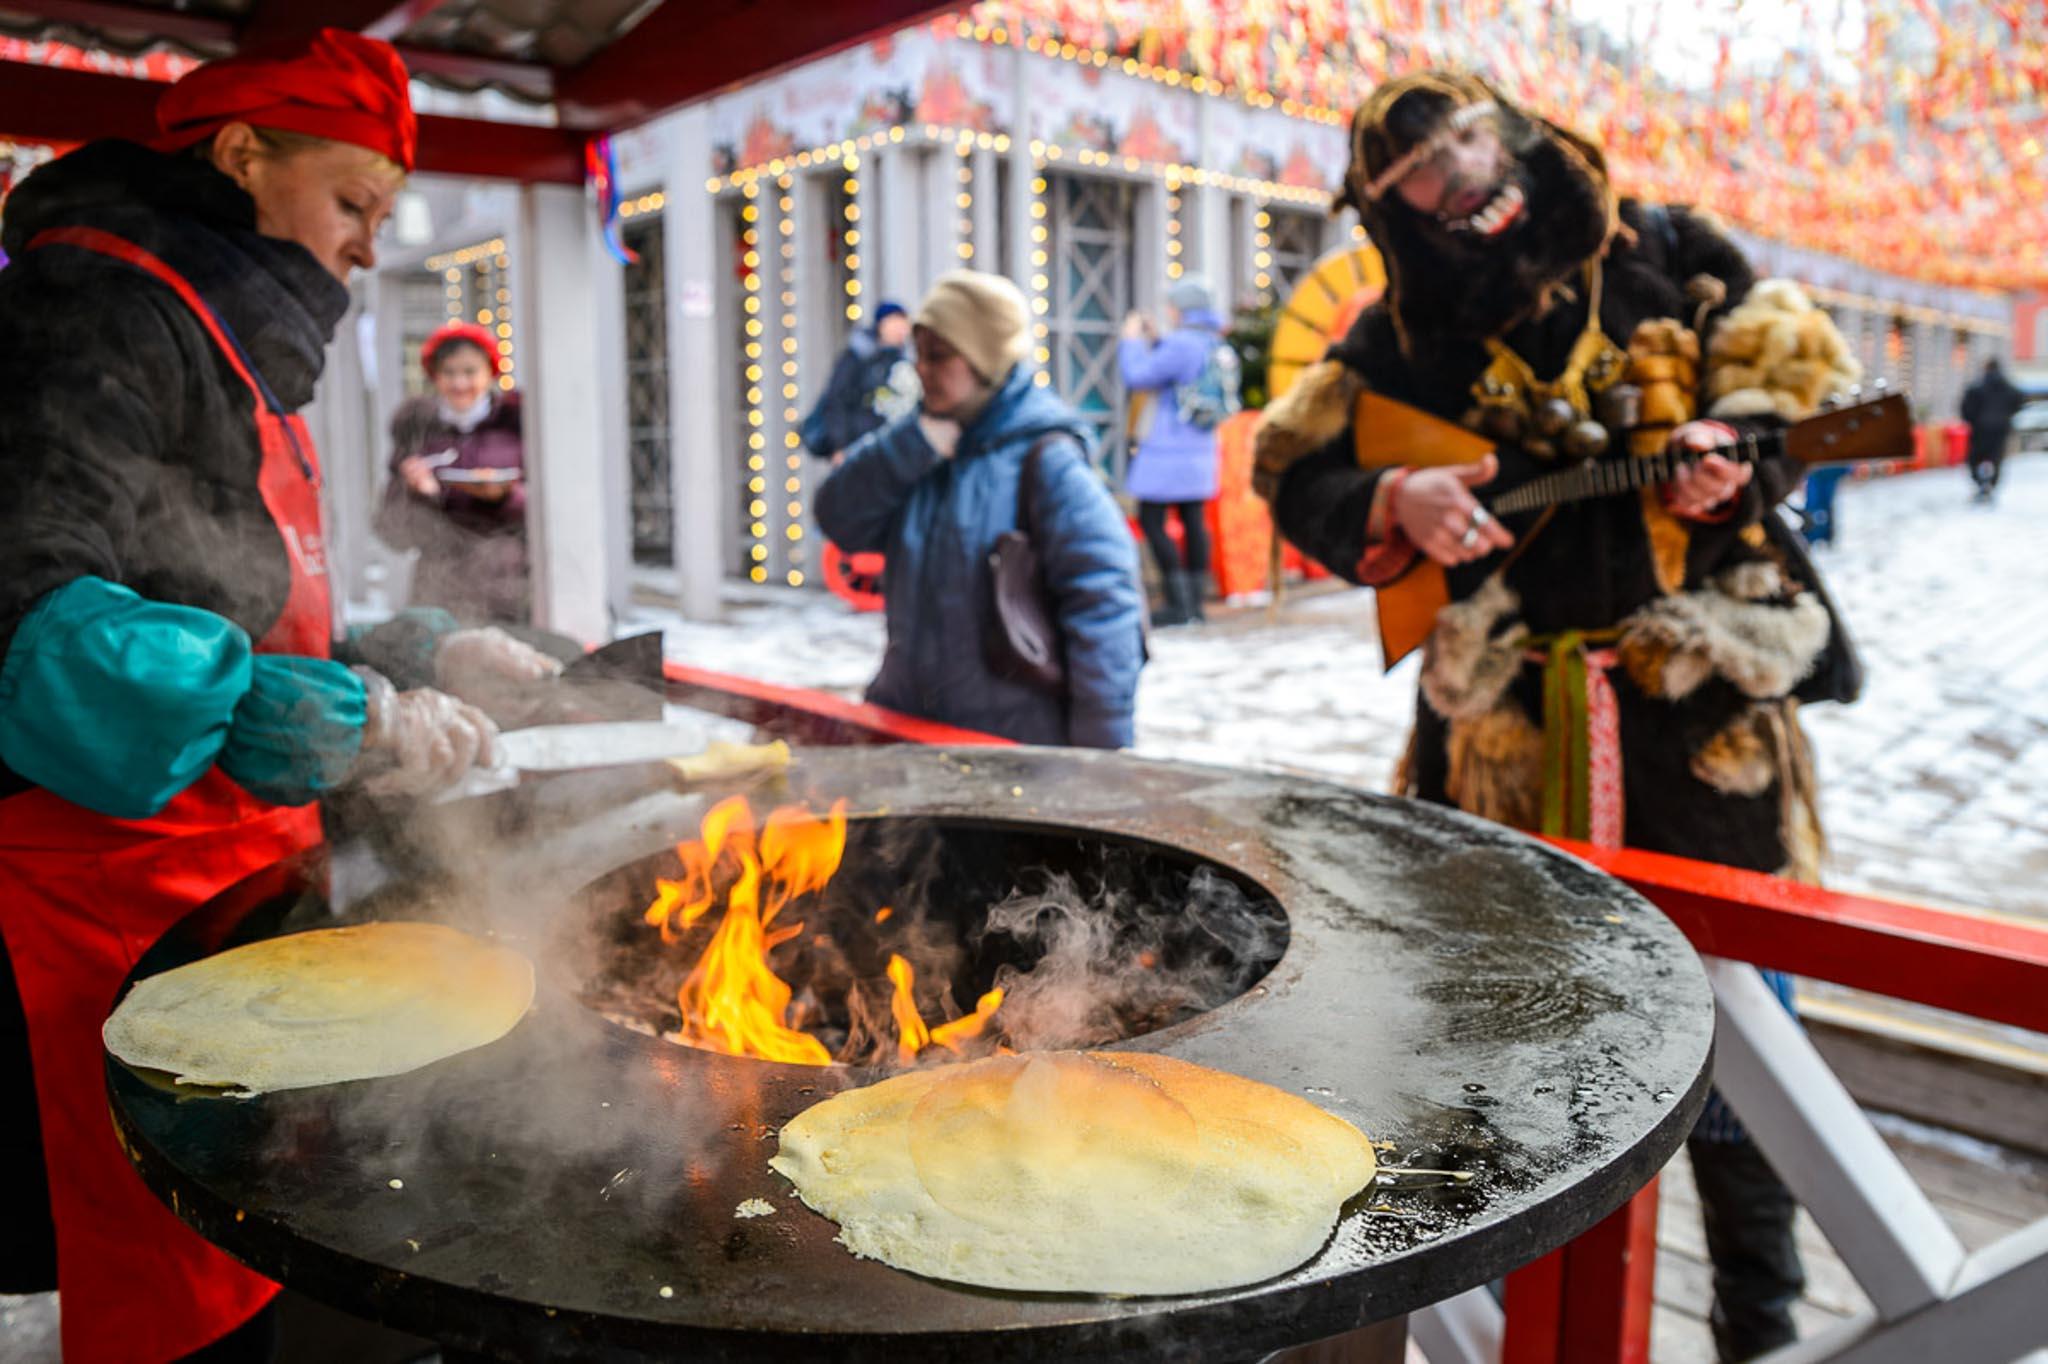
{"x":872,"y":383}
{"x":1174,"y":469}
{"x":934,"y":488}
{"x":457,"y":492}
{"x":1988,"y":407}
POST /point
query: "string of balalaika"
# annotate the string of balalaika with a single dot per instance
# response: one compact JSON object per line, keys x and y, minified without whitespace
{"x":1603,"y":478}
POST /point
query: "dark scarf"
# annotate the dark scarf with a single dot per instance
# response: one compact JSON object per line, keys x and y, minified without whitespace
{"x":279,"y":301}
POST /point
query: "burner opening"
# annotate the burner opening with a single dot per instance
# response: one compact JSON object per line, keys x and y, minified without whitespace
{"x":1089,"y":939}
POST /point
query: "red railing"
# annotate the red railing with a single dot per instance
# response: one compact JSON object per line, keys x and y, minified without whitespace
{"x":1589,"y":1302}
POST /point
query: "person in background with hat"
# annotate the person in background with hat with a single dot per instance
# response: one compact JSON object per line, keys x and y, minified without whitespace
{"x":1190,"y":376}
{"x":170,"y":700}
{"x":457,"y":492}
{"x":872,"y":383}
{"x":933,"y":490}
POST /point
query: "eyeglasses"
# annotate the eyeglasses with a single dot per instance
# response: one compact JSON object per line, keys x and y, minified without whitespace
{"x":1432,"y":148}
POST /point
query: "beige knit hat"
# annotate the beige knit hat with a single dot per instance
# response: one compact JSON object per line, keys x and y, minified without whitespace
{"x":980,"y":315}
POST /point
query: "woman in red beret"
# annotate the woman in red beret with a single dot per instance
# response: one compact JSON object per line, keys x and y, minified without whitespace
{"x":458,"y":490}
{"x":171,"y":703}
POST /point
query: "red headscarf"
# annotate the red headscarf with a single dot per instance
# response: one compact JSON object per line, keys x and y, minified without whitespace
{"x":459,"y":331}
{"x":336,"y":84}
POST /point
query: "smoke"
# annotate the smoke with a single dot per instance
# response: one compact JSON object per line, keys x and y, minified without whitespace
{"x":1113,"y":963}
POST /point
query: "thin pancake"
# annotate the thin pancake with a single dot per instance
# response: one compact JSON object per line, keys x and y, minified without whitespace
{"x":1069,"y":1172}
{"x":322,"y":1007}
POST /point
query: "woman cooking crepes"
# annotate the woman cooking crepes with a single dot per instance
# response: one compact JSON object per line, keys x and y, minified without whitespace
{"x":170,"y":700}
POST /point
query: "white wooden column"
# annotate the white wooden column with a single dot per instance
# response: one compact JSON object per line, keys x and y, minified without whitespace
{"x":559,"y":364}
{"x":348,"y":437}
{"x":1017,"y":227}
{"x":1205,"y":215}
{"x":987,"y":198}
{"x":897,"y":239}
{"x":613,"y":452}
{"x":696,"y":362}
{"x":939,"y":170}
{"x":820,"y":305}
{"x":1148,"y":247}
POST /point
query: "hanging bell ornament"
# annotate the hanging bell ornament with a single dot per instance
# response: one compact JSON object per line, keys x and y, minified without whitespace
{"x":1586,"y":440}
{"x":1503,"y":424}
{"x":1554,"y":416}
{"x":1619,"y":407}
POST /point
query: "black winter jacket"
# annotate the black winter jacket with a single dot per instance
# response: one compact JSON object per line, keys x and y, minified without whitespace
{"x":128,"y":446}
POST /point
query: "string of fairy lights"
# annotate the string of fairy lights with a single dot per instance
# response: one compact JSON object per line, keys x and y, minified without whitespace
{"x":1041,"y":265}
{"x":756,"y":411}
{"x":963,"y":200}
{"x":1045,"y":46}
{"x":1262,"y":249}
{"x":475,"y":287}
{"x":792,"y":441}
{"x":1174,"y":267}
{"x":942,"y":135}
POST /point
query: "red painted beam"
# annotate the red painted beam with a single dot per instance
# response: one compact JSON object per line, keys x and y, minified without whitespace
{"x":500,"y":151}
{"x":269,"y":19}
{"x":1992,"y":968}
{"x":811,"y":715}
{"x":685,"y":51}
{"x":46,"y":104}
{"x":1588,"y":1302}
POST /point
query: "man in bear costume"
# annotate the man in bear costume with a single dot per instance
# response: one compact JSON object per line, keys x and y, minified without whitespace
{"x":1622,"y":669}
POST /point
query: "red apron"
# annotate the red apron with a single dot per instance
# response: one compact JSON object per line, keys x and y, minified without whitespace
{"x":83,"y":895}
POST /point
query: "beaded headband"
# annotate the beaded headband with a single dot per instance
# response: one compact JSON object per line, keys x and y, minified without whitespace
{"x":1460,"y":119}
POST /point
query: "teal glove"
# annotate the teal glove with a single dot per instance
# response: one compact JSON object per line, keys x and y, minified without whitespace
{"x":117,"y":703}
{"x":298,"y":729}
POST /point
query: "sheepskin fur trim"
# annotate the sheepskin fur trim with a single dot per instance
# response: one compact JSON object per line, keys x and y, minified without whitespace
{"x":1777,"y":354}
{"x":1302,"y":420}
{"x":1764,"y":647}
{"x":1474,"y":652}
{"x":1670,"y":541}
{"x":1496,"y":767}
{"x":1740,"y":760}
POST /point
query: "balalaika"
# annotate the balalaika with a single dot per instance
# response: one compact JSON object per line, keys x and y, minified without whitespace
{"x":1386,"y":433}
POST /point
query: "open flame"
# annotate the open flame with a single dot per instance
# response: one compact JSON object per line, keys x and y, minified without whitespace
{"x":732,"y":1000}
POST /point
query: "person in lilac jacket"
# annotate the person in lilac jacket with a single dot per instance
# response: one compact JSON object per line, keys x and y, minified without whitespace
{"x":1174,"y":469}
{"x":458,"y":488}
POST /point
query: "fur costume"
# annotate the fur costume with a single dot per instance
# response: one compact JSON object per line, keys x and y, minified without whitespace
{"x":1778,"y":355}
{"x":1713,"y":623}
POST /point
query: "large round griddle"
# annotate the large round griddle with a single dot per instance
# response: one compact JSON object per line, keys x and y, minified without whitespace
{"x":1479,"y":1001}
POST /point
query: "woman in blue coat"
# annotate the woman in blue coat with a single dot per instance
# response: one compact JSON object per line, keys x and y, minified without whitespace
{"x":933,"y":489}
{"x":1174,"y":468}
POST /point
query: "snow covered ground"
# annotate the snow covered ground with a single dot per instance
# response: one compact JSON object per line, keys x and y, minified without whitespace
{"x":1935,"y":785}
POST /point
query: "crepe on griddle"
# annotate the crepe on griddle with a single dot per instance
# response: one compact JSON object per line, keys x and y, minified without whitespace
{"x":1077,"y":1172}
{"x":317,"y":1008}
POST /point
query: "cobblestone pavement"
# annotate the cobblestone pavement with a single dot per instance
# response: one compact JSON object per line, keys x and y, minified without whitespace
{"x":1935,"y":785}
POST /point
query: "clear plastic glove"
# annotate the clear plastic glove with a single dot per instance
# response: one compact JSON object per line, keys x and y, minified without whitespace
{"x":418,"y":742}
{"x":482,"y":666}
